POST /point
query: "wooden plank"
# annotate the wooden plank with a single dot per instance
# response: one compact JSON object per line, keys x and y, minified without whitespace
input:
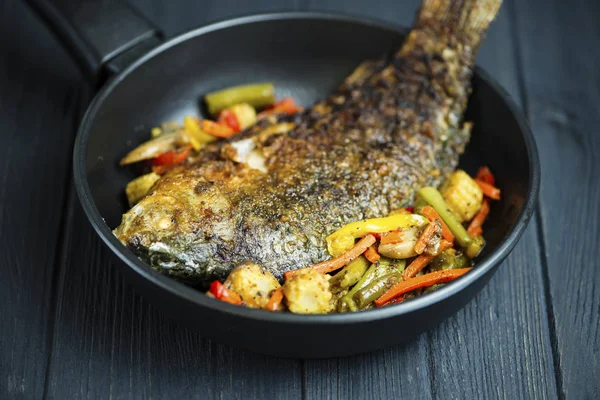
{"x":39,"y":90}
{"x":474,"y":354}
{"x":561,"y":76}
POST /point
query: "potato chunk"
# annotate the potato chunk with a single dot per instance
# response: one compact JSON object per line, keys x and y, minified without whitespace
{"x":307,"y":292}
{"x":139,"y":187}
{"x":253,"y":283}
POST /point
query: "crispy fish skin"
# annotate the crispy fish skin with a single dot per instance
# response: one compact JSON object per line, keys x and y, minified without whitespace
{"x":272,"y":194}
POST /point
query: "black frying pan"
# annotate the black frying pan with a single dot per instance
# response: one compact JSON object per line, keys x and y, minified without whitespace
{"x":306,"y":55}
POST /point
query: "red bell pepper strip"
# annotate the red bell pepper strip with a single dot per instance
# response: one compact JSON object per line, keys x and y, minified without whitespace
{"x":228,"y":117}
{"x":222,"y":293}
{"x":485,"y":175}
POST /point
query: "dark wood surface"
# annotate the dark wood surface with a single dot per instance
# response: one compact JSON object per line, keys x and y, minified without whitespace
{"x":70,"y":327}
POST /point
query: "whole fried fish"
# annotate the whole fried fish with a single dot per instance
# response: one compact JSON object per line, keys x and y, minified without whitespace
{"x":273,"y":193}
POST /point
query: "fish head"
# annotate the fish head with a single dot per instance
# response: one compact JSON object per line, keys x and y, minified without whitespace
{"x":182,"y":227}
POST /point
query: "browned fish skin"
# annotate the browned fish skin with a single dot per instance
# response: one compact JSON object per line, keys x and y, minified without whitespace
{"x":391,"y":128}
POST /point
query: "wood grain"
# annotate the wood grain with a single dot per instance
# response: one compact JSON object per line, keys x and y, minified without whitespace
{"x":39,"y":94}
{"x":70,"y":324}
{"x":562,"y":82}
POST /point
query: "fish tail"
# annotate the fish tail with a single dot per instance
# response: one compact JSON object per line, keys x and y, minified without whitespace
{"x":464,"y":20}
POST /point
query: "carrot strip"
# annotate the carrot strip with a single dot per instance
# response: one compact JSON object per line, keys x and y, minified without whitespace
{"x":392,"y":237}
{"x":476,"y":232}
{"x":222,"y":293}
{"x":338,"y":262}
{"x":217,"y":129}
{"x":419,"y":282}
{"x":475,"y":227}
{"x":343,"y":259}
{"x":275,"y":300}
{"x":372,"y":255}
{"x":485,"y":175}
{"x":488,"y":190}
{"x":286,"y":105}
{"x":423,"y":260}
{"x":432,"y":215}
{"x":425,"y":237}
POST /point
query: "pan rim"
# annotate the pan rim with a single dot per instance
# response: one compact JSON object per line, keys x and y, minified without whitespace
{"x":163,"y":282}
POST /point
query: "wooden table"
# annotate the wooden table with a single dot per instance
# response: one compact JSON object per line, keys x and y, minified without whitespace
{"x":71,"y":328}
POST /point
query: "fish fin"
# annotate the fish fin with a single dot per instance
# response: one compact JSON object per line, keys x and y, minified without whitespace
{"x":465,"y":20}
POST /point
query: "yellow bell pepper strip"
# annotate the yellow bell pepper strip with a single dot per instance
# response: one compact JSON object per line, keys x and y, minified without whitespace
{"x":343,"y":239}
{"x":198,"y":138}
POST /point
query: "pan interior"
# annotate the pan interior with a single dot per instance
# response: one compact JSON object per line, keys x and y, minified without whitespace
{"x":304,"y":58}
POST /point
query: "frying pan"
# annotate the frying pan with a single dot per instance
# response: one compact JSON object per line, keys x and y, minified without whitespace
{"x":142,"y":83}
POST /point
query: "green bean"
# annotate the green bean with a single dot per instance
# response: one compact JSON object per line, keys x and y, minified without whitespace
{"x":347,"y":301}
{"x":257,"y":95}
{"x":375,"y":289}
{"x":432,"y":196}
{"x":351,"y":273}
{"x":449,"y":259}
{"x":475,"y":247}
{"x":399,"y":265}
{"x":375,"y":271}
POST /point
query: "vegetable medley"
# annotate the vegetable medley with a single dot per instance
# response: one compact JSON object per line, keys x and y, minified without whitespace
{"x":234,"y":109}
{"x":380,"y":261}
{"x":375,"y":262}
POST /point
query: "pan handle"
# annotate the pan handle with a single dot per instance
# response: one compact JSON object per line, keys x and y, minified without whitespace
{"x":103,"y":36}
